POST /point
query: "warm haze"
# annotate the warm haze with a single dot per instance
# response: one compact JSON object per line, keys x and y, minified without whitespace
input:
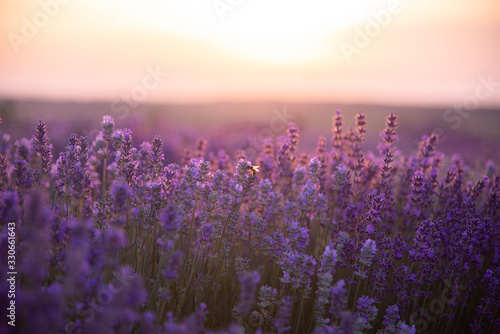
{"x":417,"y":52}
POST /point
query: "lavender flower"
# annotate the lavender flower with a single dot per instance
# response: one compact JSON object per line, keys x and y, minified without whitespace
{"x":368,"y":251}
{"x":126,"y":164}
{"x":283,"y":319}
{"x":4,"y":148}
{"x":338,"y":299}
{"x":108,"y":125}
{"x":338,"y":138}
{"x":325,"y":279}
{"x":44,"y":152}
{"x":121,"y":192}
{"x":157,"y":156}
{"x":367,"y":312}
{"x":248,"y":286}
{"x":393,"y":324}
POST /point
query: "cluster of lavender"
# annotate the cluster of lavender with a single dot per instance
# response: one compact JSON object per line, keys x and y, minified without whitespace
{"x":112,"y":239}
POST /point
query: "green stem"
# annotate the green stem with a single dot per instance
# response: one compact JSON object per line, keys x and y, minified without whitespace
{"x":349,"y":289}
{"x":189,"y":236}
{"x":183,"y":299}
{"x":300,"y":311}
{"x":155,"y":248}
{"x":216,"y":250}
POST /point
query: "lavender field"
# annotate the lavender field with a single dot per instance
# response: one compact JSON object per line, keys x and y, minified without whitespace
{"x":103,"y":233}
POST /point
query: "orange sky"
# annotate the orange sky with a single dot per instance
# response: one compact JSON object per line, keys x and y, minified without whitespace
{"x":427,"y":52}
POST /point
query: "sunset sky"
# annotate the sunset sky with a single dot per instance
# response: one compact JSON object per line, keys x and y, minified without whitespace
{"x":415,"y":52}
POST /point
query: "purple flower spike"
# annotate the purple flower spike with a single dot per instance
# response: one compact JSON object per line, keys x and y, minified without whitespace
{"x":248,"y":288}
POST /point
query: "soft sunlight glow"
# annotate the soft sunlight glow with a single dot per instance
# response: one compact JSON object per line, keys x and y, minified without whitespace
{"x":429,"y":52}
{"x":300,"y":33}
{"x":253,"y":29}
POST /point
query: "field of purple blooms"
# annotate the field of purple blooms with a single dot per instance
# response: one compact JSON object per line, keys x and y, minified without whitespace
{"x":109,"y":238}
